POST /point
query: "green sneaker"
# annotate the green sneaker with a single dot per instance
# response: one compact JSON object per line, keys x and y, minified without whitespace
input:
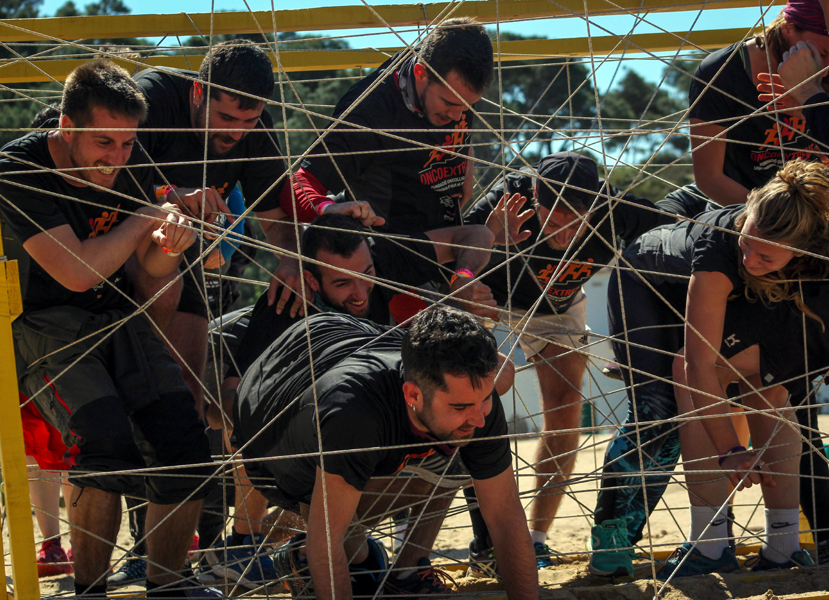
{"x":801,"y":558}
{"x":697,"y":563}
{"x":611,"y":554}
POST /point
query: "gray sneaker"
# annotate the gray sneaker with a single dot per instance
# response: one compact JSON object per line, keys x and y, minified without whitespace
{"x":132,"y":572}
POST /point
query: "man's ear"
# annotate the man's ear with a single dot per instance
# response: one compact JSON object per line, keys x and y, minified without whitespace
{"x":421,"y":73}
{"x":413,"y":395}
{"x":311,"y":281}
{"x":198,"y":93}
{"x":66,"y":126}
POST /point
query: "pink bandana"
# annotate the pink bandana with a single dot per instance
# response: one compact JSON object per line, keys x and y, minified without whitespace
{"x":807,"y":15}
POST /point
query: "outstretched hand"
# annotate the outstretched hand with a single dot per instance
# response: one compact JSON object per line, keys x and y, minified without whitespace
{"x":506,"y":220}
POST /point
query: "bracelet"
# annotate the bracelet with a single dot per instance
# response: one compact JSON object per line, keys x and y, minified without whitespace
{"x":169,"y":252}
{"x":461,"y":273}
{"x":162,"y":192}
{"x":734,"y":450}
{"x":321,"y":206}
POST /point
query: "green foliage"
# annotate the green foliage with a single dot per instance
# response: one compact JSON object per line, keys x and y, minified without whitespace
{"x":636,"y":103}
{"x":663,"y":181}
{"x":555,"y":96}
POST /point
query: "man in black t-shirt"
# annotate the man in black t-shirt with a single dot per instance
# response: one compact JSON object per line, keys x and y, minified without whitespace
{"x":349,"y":273}
{"x":218,"y":111}
{"x":573,"y":234}
{"x":98,"y":374}
{"x":374,"y":400}
{"x":403,"y":143}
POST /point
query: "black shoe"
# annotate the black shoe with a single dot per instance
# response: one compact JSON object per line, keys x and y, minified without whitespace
{"x":482,"y":560}
{"x":292,"y":569}
{"x":369,"y":574}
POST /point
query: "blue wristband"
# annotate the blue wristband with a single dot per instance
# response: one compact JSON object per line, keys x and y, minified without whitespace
{"x":734,"y":450}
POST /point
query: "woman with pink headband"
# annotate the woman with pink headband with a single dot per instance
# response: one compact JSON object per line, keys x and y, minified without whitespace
{"x":737,"y":144}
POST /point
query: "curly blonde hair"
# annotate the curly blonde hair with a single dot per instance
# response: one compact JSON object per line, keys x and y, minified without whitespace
{"x":791,"y":209}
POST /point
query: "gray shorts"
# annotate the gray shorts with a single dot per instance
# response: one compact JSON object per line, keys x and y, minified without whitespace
{"x":119,"y":401}
{"x":536,"y":331}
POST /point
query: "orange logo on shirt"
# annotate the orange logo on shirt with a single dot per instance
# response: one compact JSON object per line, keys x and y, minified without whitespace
{"x":787,"y":131}
{"x":451,"y":143}
{"x":103,"y":223}
{"x":574,"y":272}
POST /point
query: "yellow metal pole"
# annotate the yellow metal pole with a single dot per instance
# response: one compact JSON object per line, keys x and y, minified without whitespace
{"x":332,"y":18}
{"x":56,"y":69}
{"x":12,"y":453}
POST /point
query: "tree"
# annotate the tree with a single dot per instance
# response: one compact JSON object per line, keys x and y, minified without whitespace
{"x":543,"y":105}
{"x":636,"y":104}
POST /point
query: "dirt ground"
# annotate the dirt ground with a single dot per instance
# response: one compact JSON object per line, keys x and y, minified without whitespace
{"x":570,"y":530}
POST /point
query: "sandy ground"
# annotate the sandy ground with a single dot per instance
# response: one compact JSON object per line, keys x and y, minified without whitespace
{"x":568,"y":535}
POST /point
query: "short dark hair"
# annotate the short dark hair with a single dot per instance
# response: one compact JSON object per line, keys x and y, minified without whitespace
{"x":44,"y":114}
{"x":444,"y":340}
{"x":101,"y":84}
{"x":239,"y":65}
{"x":463,"y":46}
{"x":337,"y":234}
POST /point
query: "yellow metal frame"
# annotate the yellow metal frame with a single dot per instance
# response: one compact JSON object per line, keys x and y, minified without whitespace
{"x":336,"y":18}
{"x":55,"y":69}
{"x":12,"y":452}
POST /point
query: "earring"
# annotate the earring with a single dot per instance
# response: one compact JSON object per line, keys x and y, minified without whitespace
{"x":412,"y":406}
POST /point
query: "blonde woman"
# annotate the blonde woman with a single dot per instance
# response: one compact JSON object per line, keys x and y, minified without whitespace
{"x":694,"y":270}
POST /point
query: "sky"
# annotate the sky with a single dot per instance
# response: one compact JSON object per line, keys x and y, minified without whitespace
{"x":649,"y":68}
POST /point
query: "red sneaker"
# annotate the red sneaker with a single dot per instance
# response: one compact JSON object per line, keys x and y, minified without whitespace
{"x":52,"y":560}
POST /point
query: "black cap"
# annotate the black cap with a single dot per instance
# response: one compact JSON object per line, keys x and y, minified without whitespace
{"x":560,"y":173}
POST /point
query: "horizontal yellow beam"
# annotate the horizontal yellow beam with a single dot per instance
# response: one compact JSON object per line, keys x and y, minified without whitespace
{"x":334,"y":18}
{"x":53,"y":69}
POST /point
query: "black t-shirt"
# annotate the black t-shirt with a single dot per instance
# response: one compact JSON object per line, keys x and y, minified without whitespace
{"x":530,"y":273}
{"x":406,"y":262}
{"x":255,"y":162}
{"x":781,"y":330}
{"x":752,"y":152}
{"x":34,"y":201}
{"x":357,"y":403}
{"x":668,"y":255}
{"x":816,"y":111}
{"x":412,"y":182}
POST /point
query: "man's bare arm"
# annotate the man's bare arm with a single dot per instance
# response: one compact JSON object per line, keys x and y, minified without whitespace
{"x":65,"y":257}
{"x":507,"y":524}
{"x":341,"y":506}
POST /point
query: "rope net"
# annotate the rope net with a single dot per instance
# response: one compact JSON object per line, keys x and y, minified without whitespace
{"x":533,"y":108}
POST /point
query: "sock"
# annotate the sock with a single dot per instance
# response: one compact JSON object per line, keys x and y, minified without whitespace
{"x":713,"y":542}
{"x":90,"y":591}
{"x":539,"y":537}
{"x":237,"y":539}
{"x":406,"y":573}
{"x":156,"y":590}
{"x":782,"y":538}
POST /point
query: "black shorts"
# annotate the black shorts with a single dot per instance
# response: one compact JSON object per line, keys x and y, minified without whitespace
{"x":119,"y":401}
{"x":193,"y":299}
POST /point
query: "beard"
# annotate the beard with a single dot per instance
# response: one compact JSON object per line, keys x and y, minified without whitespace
{"x":343,"y":308}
